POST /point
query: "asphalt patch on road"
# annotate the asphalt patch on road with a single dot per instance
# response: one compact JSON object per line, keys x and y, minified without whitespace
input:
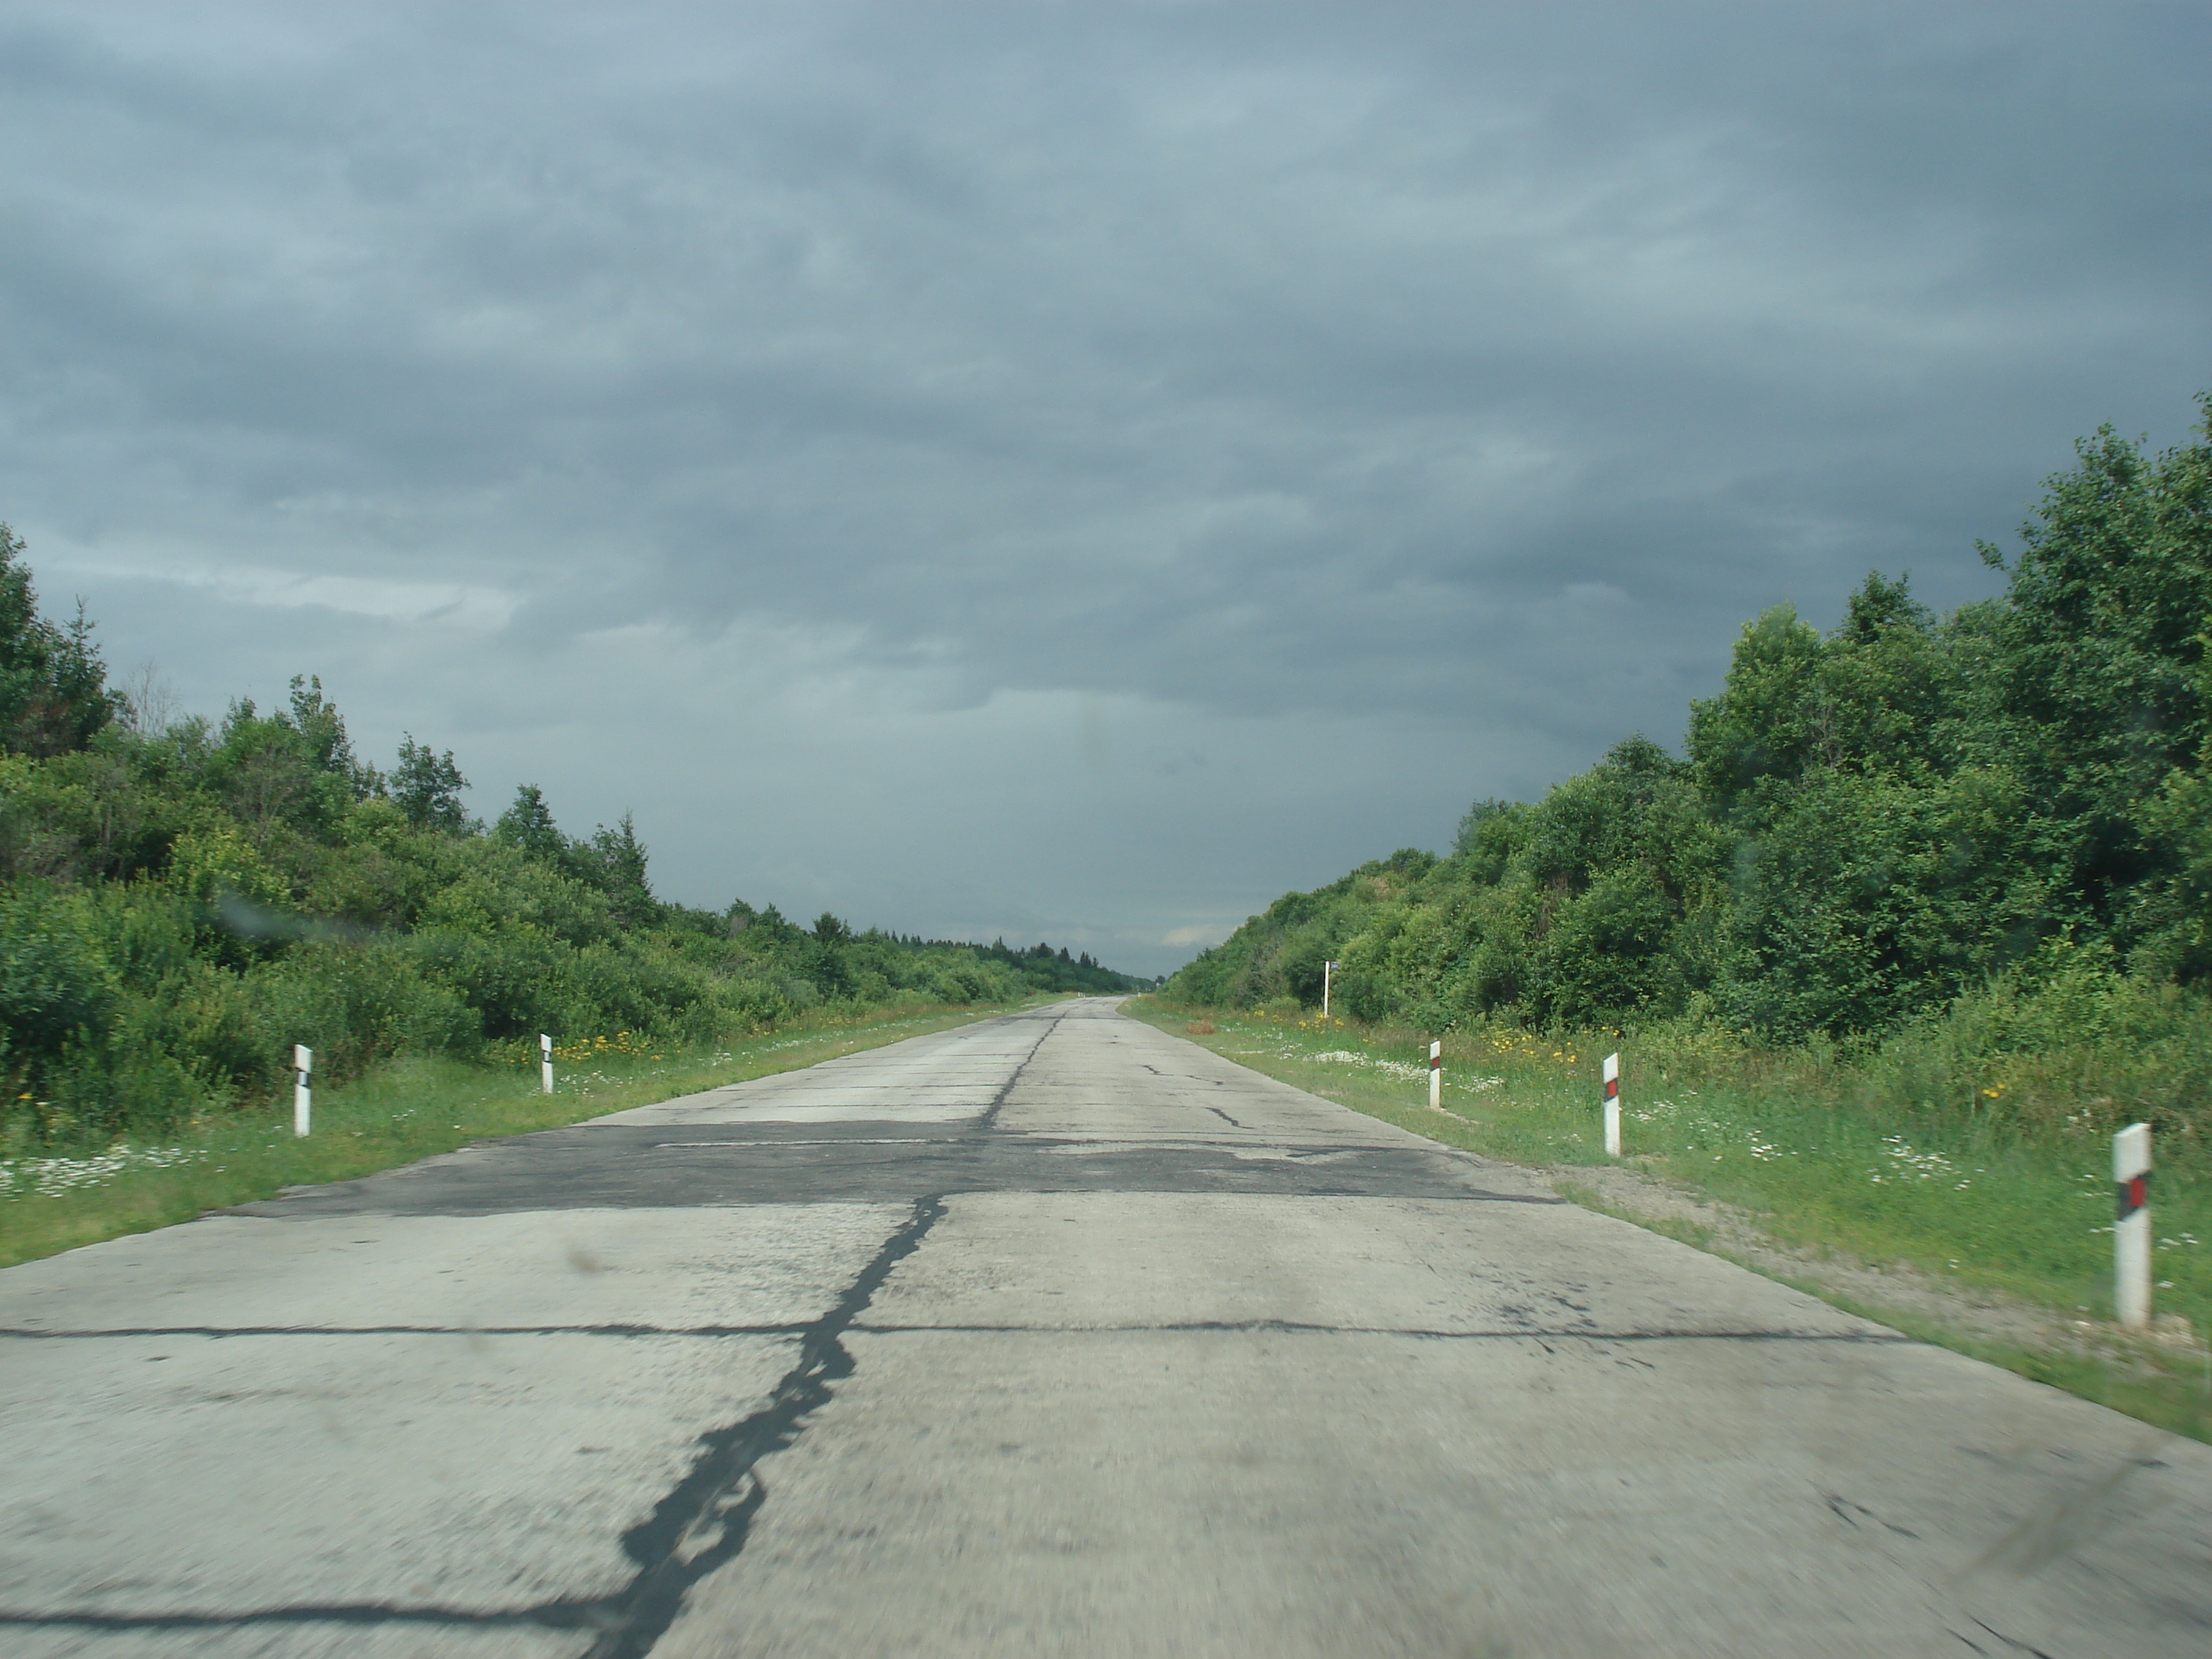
{"x":724,"y":1165}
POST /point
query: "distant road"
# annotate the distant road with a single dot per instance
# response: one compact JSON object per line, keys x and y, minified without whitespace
{"x":1052,"y":1334}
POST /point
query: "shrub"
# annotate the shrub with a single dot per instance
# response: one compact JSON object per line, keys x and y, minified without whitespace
{"x":354,"y":1004}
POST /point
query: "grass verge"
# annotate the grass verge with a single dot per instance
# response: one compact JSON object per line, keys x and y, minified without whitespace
{"x":1970,"y":1234}
{"x":400,"y":1112}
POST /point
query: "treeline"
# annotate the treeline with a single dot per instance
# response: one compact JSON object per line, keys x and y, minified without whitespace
{"x":2006,"y":807}
{"x":181,"y":900}
{"x":1053,"y":971}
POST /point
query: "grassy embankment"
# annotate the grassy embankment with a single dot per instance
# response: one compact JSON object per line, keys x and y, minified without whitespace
{"x":405,"y":1110}
{"x":1803,"y":1149}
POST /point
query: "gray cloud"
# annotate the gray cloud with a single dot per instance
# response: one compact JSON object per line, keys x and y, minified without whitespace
{"x":1407,"y":399}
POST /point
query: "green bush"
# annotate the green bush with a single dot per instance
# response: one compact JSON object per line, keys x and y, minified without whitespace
{"x":179,"y":906}
{"x":357,"y":1004}
{"x":56,"y":988}
{"x":1970,"y":855}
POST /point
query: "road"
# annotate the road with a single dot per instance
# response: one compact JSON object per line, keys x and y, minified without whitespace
{"x":1052,"y":1334}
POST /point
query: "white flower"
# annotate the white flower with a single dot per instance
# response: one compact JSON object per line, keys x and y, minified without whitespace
{"x":52,"y":1177}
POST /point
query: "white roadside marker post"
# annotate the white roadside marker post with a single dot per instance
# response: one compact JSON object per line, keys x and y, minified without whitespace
{"x":1326,"y":969}
{"x":2132,"y":1224}
{"x":545,"y":1061}
{"x":1435,"y":1077}
{"x":1613,"y":1105}
{"x":303,"y":1088}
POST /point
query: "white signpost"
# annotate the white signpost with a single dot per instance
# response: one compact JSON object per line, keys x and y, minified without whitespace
{"x":303,"y":1087}
{"x":1327,"y":970}
{"x":1435,"y":1077}
{"x":545,"y":1061}
{"x":2131,"y":1225}
{"x":1613,"y":1105}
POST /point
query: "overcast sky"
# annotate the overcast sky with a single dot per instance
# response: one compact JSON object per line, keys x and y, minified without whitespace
{"x":1063,"y":471}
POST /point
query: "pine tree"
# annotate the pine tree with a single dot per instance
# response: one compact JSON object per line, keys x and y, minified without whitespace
{"x":528,"y":824}
{"x":54,"y":690}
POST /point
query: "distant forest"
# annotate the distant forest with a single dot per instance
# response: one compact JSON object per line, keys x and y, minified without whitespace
{"x":181,"y":900}
{"x":2008,"y":806}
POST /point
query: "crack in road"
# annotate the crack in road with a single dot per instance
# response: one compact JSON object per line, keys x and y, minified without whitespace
{"x":2012,"y":1642}
{"x":701,"y":1523}
{"x":565,"y":1614}
{"x":218,"y":1333}
{"x":1293,"y":1328}
{"x":989,"y":1120}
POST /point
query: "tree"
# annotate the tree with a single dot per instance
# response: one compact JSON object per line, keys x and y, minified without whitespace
{"x":323,"y":737}
{"x":774,"y":927}
{"x":1471,"y":825}
{"x":528,"y":824}
{"x":292,"y":769}
{"x":425,"y":786}
{"x":829,"y":961}
{"x":2093,"y":692}
{"x":617,"y":869}
{"x":53,"y":691}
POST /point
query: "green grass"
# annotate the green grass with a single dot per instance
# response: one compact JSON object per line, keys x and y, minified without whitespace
{"x":403,"y":1111}
{"x":1976,"y":1202}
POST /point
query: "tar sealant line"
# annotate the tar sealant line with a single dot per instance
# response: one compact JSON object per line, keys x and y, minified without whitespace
{"x":990,"y":1115}
{"x":825,"y":1141}
{"x":700,"y":1526}
{"x":1872,"y":1336}
{"x":702,"y":1523}
{"x":218,"y":1333}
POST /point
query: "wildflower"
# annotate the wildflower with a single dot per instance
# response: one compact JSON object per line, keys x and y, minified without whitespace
{"x":55,"y":1177}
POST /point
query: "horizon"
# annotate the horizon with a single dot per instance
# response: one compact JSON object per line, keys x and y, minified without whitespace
{"x":1058,"y":473}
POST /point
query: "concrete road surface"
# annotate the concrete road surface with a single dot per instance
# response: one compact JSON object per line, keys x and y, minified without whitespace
{"x":1049,"y":1335}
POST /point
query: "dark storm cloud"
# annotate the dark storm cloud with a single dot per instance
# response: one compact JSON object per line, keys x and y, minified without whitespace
{"x":1473,"y":369}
